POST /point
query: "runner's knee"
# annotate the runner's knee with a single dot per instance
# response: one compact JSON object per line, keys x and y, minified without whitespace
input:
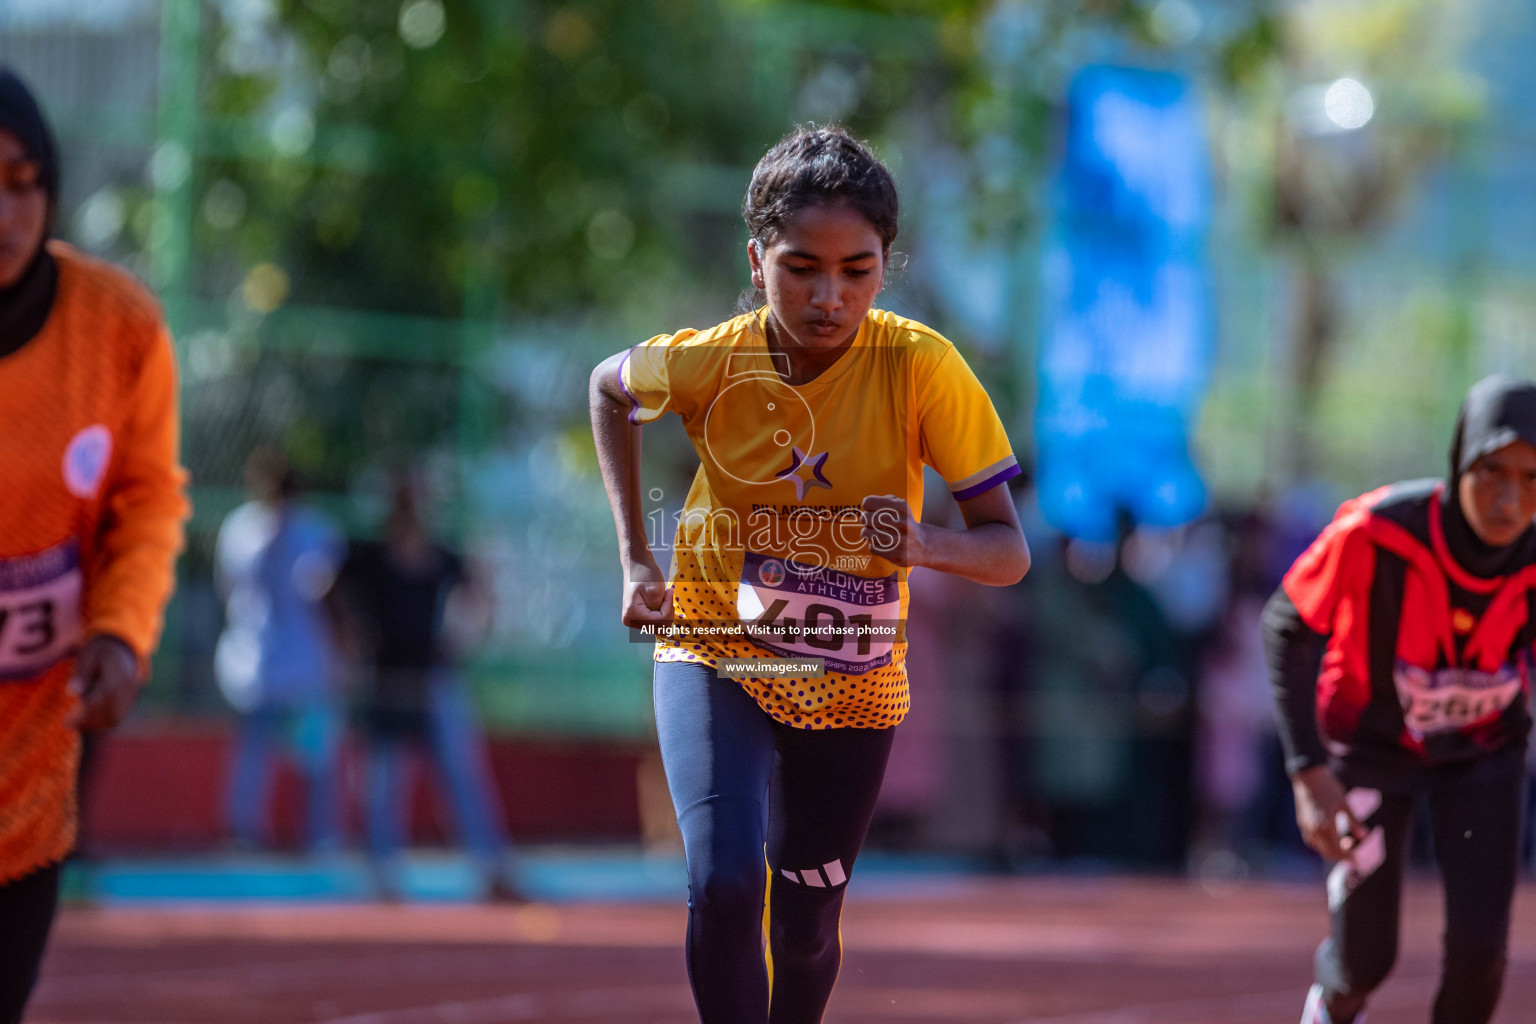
{"x":729,"y":891}
{"x":804,"y":926}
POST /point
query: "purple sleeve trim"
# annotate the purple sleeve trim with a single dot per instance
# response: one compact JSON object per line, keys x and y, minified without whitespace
{"x":989,"y":483}
{"x":633,"y":401}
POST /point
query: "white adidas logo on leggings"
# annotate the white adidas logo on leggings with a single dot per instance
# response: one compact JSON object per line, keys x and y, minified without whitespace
{"x":830,"y":873}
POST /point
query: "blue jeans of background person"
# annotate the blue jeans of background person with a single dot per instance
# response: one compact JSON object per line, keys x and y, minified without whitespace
{"x":452,"y":739}
{"x":755,"y":798}
{"x":313,"y":733}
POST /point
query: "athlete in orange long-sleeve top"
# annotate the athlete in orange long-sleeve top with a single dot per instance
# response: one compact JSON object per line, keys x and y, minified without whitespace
{"x":91,"y":511}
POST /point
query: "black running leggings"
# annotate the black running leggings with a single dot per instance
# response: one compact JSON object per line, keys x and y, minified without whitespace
{"x":1475,"y":811}
{"x":755,"y":798}
{"x":26,"y":913}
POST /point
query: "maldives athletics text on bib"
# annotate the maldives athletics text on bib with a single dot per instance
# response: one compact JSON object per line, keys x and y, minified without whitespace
{"x":39,"y":610}
{"x":798,"y":610}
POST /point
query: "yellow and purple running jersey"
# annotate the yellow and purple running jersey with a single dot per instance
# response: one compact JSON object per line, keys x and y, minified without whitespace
{"x":769,"y":560}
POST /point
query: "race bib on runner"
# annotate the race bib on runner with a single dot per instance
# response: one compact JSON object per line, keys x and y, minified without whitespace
{"x":799,"y":611}
{"x":39,"y":610}
{"x":1452,"y":698}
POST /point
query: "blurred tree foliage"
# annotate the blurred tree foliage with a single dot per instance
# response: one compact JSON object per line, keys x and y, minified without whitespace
{"x":571,"y":161}
{"x":574,"y":147}
{"x":592,"y":152}
{"x":1323,"y":190}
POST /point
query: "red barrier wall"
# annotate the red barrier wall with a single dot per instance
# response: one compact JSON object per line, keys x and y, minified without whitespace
{"x":162,"y":787}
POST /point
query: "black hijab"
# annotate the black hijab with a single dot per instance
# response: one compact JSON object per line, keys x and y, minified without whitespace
{"x":25,"y":304}
{"x":1497,"y":411}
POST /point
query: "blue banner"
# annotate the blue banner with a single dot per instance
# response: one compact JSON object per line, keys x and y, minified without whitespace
{"x":1127,"y":340}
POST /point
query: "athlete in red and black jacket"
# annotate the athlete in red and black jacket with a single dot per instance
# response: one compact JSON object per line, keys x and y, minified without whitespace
{"x":1400,"y":649}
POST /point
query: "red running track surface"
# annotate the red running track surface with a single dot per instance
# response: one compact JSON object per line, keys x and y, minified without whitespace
{"x":990,"y":951}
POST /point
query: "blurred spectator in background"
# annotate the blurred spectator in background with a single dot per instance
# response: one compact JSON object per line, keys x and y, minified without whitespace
{"x":1235,"y":724}
{"x":1245,"y":818}
{"x":1085,"y":672}
{"x":932,"y":795}
{"x":1112,"y":635}
{"x":274,"y":563}
{"x":411,"y":609}
{"x":89,"y":529}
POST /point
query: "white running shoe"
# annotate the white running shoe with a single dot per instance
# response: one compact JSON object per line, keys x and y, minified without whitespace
{"x":1314,"y":1012}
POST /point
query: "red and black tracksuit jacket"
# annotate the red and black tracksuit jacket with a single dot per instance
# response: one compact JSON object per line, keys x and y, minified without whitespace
{"x":1389,"y":658}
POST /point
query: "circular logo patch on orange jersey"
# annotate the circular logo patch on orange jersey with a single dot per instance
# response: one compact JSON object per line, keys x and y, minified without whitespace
{"x":86,"y":459}
{"x":1462,"y":621}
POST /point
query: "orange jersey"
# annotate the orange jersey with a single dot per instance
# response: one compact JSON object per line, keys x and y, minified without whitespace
{"x":90,"y":527}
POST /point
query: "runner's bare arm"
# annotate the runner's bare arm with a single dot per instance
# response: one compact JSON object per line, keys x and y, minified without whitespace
{"x":1322,"y":813}
{"x":991,"y":549}
{"x":647,"y":598}
{"x":105,"y":681}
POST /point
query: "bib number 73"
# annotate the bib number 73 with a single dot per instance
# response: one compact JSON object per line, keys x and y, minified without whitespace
{"x":39,"y":610}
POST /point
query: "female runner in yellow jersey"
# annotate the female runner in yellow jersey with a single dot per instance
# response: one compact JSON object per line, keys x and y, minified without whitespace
{"x":813,"y":417}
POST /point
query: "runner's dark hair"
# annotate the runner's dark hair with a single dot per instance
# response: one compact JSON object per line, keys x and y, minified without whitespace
{"x":812,"y":166}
